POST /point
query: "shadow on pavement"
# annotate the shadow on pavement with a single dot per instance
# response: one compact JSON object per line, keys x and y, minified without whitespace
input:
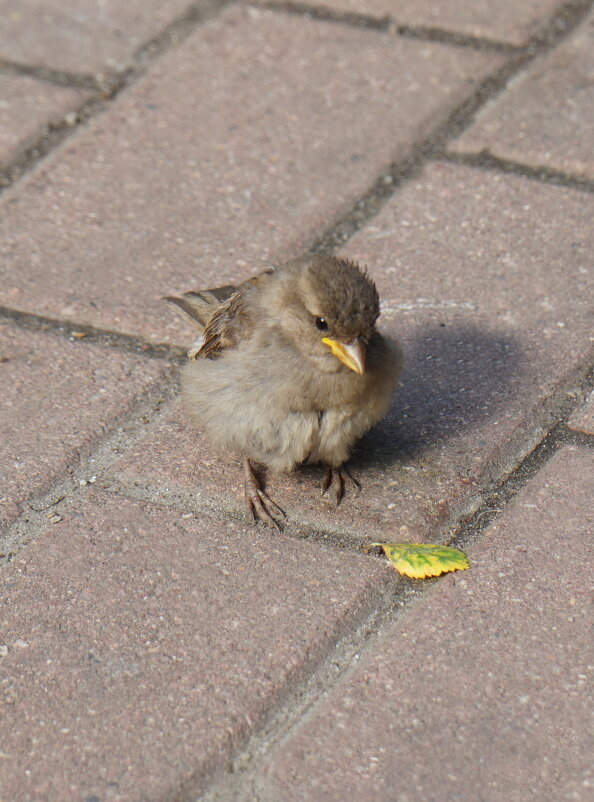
{"x":454,"y":376}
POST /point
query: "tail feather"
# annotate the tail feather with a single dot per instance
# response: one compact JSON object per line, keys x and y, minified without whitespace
{"x":198,"y":307}
{"x":218,"y":294}
{"x":187,"y":310}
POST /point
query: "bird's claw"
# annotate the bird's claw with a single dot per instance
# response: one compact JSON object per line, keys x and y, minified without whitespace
{"x":258,"y":502}
{"x":335,"y":477}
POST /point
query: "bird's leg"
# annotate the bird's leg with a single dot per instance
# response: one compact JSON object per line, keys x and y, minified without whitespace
{"x":258,"y":502}
{"x":335,"y":477}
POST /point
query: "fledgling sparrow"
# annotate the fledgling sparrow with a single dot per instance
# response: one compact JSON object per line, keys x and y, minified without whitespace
{"x":289,"y":368}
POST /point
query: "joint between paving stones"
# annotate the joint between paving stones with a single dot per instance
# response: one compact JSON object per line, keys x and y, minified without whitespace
{"x":82,"y":332}
{"x":62,"y":78}
{"x":561,"y":23}
{"x":494,"y":503}
{"x":388,"y":24}
{"x":186,"y":502}
{"x":175,"y":33}
{"x":453,"y":38}
{"x":546,"y":175}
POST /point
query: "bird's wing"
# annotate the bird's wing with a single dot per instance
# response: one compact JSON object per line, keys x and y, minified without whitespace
{"x":223,"y":313}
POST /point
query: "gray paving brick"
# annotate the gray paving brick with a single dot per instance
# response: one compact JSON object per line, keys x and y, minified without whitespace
{"x":467,"y":263}
{"x":27,"y":108}
{"x":81,"y":35}
{"x":142,"y":646}
{"x":57,"y":399}
{"x":234,"y":149}
{"x":546,"y":117}
{"x":481,"y":691}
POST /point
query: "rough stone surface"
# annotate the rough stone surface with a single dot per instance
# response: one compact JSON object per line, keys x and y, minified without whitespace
{"x":81,"y":35}
{"x":27,"y":108}
{"x":57,"y":398}
{"x":506,"y":21}
{"x":467,"y":265}
{"x":546,"y":118}
{"x":289,"y":121}
{"x":142,"y":646}
{"x":582,"y":419}
{"x":482,"y":690}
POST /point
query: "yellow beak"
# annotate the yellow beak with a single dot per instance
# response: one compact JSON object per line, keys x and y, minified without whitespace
{"x":350,"y":354}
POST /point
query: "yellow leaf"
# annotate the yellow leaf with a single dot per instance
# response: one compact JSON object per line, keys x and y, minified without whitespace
{"x":420,"y":560}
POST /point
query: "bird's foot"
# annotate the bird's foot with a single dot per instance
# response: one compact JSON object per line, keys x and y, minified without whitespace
{"x":335,"y":477}
{"x":258,"y":502}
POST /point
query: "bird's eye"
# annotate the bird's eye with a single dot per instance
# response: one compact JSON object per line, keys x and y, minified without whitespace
{"x":321,"y":324}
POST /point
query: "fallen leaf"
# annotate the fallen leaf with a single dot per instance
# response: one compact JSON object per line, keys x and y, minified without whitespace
{"x":420,"y":560}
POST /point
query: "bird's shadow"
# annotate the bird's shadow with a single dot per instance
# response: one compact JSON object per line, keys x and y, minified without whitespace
{"x":454,"y":376}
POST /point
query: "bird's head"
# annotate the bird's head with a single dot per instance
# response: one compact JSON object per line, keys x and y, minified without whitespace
{"x":330,"y":313}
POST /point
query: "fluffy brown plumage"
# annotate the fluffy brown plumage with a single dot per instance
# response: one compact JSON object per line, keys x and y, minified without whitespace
{"x":289,"y":368}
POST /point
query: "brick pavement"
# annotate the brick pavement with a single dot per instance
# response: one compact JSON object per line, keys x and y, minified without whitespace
{"x":153,"y":644}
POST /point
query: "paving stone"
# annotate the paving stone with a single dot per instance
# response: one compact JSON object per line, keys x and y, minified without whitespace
{"x":481,"y":690}
{"x":506,"y":21}
{"x":82,"y":35}
{"x":467,"y":264}
{"x":546,"y":117}
{"x":289,"y":121}
{"x":143,"y":646}
{"x":582,"y":419}
{"x":57,"y":398}
{"x":27,"y":108}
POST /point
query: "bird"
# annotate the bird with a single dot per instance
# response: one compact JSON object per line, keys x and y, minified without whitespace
{"x":289,"y":368}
